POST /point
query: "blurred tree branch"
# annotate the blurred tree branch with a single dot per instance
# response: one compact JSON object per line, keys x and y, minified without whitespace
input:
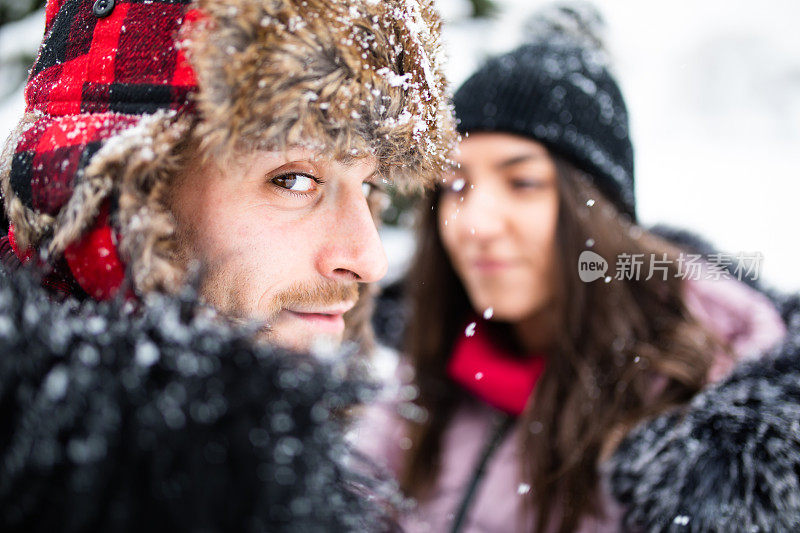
{"x":13,"y":10}
{"x":483,"y":8}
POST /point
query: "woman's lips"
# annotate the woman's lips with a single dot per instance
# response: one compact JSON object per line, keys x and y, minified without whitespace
{"x":489,"y":266}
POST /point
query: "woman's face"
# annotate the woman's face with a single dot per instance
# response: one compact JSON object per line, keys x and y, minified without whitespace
{"x":497,"y":220}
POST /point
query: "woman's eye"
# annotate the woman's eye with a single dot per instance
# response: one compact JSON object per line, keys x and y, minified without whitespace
{"x":295,"y":182}
{"x":524,"y":183}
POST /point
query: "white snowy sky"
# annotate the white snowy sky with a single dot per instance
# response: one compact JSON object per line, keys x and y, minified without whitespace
{"x":713,"y":88}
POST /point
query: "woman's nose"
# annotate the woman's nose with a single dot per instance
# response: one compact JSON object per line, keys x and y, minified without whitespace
{"x":480,"y":214}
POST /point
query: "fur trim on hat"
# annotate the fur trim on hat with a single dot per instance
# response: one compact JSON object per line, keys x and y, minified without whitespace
{"x":30,"y":226}
{"x":344,"y":77}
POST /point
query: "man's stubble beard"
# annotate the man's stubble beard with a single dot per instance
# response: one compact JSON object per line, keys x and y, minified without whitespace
{"x":223,"y":288}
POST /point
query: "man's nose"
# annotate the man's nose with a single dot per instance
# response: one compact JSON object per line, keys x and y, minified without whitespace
{"x":352,"y":250}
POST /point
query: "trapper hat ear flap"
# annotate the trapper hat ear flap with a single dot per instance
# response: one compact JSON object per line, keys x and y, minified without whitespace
{"x":98,"y":72}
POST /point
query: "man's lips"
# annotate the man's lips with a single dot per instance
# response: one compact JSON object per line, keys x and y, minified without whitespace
{"x":335,"y":309}
{"x":324,"y":319}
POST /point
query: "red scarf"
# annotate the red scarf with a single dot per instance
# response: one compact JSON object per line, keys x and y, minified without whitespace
{"x":494,"y":375}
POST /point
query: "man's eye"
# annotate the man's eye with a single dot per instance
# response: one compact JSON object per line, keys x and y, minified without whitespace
{"x":295,"y":182}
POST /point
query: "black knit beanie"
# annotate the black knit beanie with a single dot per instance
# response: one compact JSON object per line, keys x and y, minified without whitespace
{"x":558,"y":91}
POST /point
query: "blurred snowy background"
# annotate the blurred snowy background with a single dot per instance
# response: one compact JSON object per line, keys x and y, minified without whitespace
{"x":713,"y":89}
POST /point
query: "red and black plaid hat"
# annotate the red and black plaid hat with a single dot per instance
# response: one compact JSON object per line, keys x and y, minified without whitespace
{"x":103,"y":64}
{"x":122,"y":88}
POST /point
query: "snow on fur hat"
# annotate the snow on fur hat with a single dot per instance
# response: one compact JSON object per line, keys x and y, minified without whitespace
{"x":122,"y":88}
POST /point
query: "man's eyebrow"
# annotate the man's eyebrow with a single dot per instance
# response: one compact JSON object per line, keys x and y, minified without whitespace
{"x":349,"y":161}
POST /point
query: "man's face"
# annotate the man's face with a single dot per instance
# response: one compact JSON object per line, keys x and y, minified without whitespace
{"x":283,"y":237}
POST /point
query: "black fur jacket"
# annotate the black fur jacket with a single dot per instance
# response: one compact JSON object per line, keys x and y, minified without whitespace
{"x":164,"y":419}
{"x":730,"y":461}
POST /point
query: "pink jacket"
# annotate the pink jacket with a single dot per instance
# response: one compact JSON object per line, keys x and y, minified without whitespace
{"x":738,"y":314}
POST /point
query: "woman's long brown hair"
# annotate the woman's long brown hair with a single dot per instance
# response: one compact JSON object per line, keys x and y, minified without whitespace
{"x":615,"y":341}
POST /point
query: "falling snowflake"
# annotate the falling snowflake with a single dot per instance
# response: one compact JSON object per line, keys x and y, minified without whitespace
{"x":681,"y":520}
{"x":470,"y":331}
{"x":146,"y":354}
{"x":55,"y":384}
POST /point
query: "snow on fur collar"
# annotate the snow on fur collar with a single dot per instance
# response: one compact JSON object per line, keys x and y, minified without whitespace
{"x":729,"y":461}
{"x":165,"y":419}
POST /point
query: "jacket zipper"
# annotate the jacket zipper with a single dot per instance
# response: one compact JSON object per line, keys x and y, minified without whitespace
{"x":502,"y":425}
